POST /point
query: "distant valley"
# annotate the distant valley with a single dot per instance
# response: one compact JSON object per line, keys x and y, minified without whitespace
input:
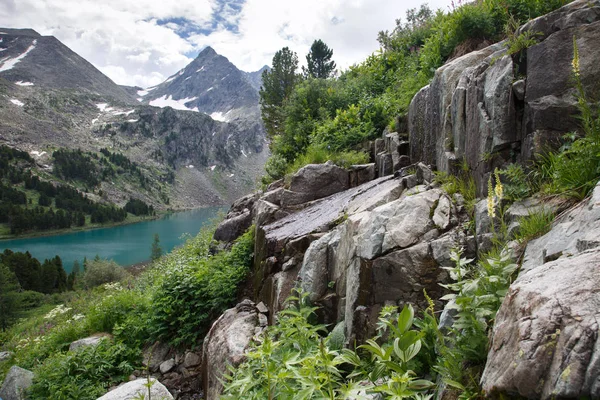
{"x":194,"y":140}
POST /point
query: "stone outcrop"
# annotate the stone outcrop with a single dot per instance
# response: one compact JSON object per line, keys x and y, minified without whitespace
{"x":476,"y":110}
{"x":379,"y":234}
{"x":576,"y":231}
{"x":139,"y":387}
{"x":16,"y":382}
{"x":315,"y":181}
{"x":91,"y":341}
{"x":238,"y":219}
{"x":226,"y":344}
{"x":545,"y":339}
{"x":360,"y":249}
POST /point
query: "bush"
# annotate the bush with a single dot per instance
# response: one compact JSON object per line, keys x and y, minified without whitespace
{"x":194,"y":292}
{"x":114,"y":308}
{"x":98,"y":272}
{"x":85,"y":373}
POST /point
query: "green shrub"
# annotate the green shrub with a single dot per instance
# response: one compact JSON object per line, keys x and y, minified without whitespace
{"x":193,"y":292}
{"x":31,"y":299}
{"x":293,"y":360}
{"x":98,"y":272}
{"x":316,"y":154}
{"x":275,"y":168}
{"x":114,"y":308}
{"x":85,"y":373}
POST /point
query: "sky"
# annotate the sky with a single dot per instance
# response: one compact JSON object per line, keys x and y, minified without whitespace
{"x":142,"y":42}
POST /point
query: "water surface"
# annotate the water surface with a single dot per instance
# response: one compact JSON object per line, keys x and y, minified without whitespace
{"x":126,"y":244}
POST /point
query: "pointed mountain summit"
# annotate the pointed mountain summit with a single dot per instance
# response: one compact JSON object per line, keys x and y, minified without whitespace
{"x":28,"y":58}
{"x":210,"y":84}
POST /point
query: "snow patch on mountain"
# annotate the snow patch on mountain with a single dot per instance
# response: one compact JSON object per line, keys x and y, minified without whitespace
{"x":168,"y":101}
{"x":219,"y":116}
{"x":21,"y":83}
{"x":17,"y":102}
{"x":11,"y":62}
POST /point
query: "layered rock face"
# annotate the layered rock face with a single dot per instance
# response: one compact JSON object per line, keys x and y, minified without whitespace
{"x":381,"y":242}
{"x":488,"y":108}
{"x":545,"y":339}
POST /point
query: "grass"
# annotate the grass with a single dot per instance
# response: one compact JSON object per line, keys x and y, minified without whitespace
{"x":463,"y":185}
{"x":534,"y":225}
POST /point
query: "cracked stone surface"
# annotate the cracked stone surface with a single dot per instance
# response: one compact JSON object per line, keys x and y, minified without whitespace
{"x":545,"y":339}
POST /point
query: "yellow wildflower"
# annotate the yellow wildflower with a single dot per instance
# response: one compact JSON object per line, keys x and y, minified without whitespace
{"x":491,"y":204}
{"x":499,"y":190}
{"x":575,"y":62}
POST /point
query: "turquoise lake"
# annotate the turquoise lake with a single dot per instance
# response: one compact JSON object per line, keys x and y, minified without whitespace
{"x":126,"y":244}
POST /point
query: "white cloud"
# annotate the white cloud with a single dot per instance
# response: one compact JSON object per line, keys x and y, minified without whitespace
{"x":123,"y":38}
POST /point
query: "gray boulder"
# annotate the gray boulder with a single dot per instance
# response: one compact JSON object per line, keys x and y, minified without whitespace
{"x":404,"y":274}
{"x":155,"y":355}
{"x":5,"y":355}
{"x":360,"y":174}
{"x":134,"y":389}
{"x":315,"y":181}
{"x":226,"y":344}
{"x":545,"y":340}
{"x":232,"y":228}
{"x":91,"y":341}
{"x":17,"y":381}
{"x":576,"y":231}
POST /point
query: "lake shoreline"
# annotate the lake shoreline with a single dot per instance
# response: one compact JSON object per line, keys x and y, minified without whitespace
{"x":129,"y":245}
{"x":54,"y":232}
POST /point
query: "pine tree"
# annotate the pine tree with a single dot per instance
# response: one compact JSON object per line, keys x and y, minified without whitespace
{"x":73,"y":275}
{"x":9,"y":292}
{"x":277,"y":85}
{"x":319,"y":61}
{"x":156,"y":250}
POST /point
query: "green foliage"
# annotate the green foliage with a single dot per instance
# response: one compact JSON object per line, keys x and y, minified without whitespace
{"x":85,"y":373}
{"x":517,"y":42}
{"x":98,"y":272}
{"x":463,"y":185}
{"x":344,"y":131}
{"x":195,"y":290}
{"x":277,"y":85}
{"x":138,"y":207}
{"x":477,"y":292}
{"x":114,"y":307}
{"x":318,"y":60}
{"x":76,"y":165}
{"x":575,"y":169}
{"x":9,"y":297}
{"x":47,"y":277}
{"x":155,"y":250}
{"x":293,"y":360}
{"x":534,"y":225}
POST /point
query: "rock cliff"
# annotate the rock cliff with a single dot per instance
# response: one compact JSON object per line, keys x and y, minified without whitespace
{"x":379,"y":234}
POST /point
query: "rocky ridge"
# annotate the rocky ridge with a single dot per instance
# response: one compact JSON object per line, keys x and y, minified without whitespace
{"x":50,"y":98}
{"x":381,"y":236}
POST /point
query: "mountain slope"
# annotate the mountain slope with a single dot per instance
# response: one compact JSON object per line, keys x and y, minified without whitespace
{"x":50,"y":98}
{"x":209,"y":84}
{"x":29,"y":58}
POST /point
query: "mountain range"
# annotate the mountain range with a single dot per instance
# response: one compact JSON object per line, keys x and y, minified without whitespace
{"x":197,"y":137}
